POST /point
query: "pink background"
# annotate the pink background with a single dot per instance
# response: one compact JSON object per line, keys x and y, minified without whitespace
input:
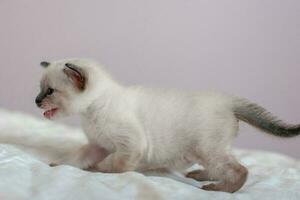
{"x":249,"y":48}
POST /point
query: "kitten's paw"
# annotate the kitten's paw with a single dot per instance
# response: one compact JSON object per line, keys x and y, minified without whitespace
{"x":58,"y":162}
{"x":91,"y":169}
{"x":211,"y":187}
{"x":53,"y":164}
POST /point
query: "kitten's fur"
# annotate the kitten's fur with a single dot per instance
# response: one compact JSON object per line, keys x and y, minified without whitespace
{"x":136,"y":128}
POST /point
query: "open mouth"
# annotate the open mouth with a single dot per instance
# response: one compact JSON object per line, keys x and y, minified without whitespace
{"x":50,"y":113}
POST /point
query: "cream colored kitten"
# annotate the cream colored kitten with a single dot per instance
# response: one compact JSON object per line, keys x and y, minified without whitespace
{"x":136,"y":128}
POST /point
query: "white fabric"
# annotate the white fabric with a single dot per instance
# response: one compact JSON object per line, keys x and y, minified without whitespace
{"x":25,"y":174}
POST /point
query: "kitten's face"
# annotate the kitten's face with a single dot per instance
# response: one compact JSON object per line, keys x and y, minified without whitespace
{"x":61,"y":85}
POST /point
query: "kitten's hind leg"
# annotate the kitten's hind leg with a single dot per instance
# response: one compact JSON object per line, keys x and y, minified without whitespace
{"x":228,"y":171}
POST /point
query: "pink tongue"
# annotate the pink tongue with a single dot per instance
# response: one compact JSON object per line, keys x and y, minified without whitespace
{"x":49,"y":113}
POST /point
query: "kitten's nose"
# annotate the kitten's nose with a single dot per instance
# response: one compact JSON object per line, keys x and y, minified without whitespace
{"x":38,"y":102}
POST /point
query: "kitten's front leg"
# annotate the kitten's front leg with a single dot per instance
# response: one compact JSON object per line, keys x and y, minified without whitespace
{"x":130,"y":145}
{"x":84,"y":158}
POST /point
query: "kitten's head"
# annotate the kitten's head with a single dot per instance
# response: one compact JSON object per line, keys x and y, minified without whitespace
{"x":67,"y":87}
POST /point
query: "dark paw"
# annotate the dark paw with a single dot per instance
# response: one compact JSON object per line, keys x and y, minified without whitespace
{"x":91,"y":169}
{"x":210,"y":187}
{"x":53,"y":164}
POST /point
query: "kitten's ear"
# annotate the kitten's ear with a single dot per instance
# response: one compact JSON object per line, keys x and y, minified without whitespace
{"x":76,"y":75}
{"x":44,"y":64}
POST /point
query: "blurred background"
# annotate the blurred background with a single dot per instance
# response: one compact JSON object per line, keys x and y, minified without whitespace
{"x":248,"y":48}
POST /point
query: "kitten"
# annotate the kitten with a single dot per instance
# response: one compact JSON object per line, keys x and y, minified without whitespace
{"x":136,"y":128}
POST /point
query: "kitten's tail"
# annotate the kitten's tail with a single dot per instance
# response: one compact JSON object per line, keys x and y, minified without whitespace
{"x":260,"y":118}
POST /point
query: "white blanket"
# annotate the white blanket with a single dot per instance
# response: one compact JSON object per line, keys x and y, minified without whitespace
{"x":31,"y":144}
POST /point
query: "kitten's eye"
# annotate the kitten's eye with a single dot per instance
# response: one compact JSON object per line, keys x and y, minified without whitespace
{"x":50,"y":91}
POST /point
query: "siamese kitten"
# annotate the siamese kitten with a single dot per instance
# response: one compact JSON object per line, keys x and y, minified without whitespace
{"x":136,"y":128}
